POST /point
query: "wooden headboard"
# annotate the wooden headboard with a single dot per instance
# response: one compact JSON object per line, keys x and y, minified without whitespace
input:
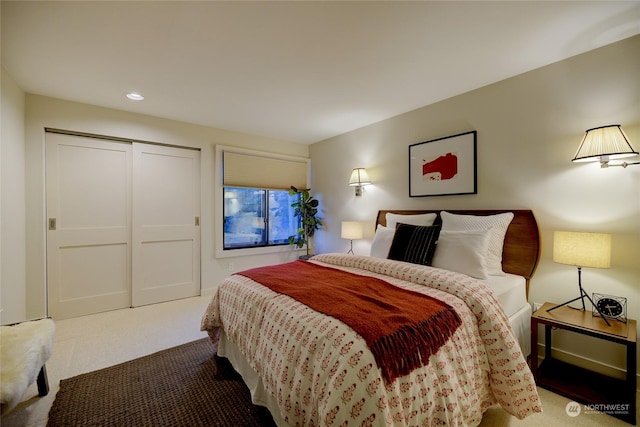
{"x":521,"y":251}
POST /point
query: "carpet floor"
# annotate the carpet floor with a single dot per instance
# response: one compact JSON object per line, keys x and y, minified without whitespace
{"x":181,"y":386}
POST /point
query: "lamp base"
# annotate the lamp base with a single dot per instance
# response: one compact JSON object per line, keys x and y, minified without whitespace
{"x":350,"y":251}
{"x":582,"y":296}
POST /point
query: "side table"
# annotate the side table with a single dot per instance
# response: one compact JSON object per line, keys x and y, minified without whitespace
{"x":614,"y":396}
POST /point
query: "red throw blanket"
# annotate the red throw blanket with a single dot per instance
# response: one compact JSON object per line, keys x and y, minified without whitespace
{"x":401,"y":327}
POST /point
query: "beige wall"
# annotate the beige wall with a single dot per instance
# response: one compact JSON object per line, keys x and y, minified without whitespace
{"x":12,"y":201}
{"x":529,"y":128}
{"x":43,"y":112}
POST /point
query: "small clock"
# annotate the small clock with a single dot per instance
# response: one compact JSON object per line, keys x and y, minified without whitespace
{"x":610,"y":306}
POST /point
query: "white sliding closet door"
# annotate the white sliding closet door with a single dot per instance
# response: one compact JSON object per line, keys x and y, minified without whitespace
{"x":166,"y":223}
{"x":122,"y":224}
{"x":88,"y":183}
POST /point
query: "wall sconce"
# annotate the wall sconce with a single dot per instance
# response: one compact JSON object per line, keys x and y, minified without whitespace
{"x":351,"y":230}
{"x":359,"y":178}
{"x":582,"y":250}
{"x":603,"y":144}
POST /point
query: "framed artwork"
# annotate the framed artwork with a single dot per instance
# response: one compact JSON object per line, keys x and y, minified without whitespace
{"x":443,"y":166}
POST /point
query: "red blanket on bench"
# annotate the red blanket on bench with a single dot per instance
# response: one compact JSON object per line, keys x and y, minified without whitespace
{"x":401,"y":327}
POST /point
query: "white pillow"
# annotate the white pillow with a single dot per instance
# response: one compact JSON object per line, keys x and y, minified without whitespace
{"x":498,"y":225}
{"x":382,"y":242}
{"x":420,"y":219}
{"x":463,"y":251}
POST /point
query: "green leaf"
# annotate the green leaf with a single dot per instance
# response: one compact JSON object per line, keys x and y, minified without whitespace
{"x":305,"y":209}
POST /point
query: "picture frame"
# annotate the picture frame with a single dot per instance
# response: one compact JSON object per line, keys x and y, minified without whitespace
{"x":444,"y":166}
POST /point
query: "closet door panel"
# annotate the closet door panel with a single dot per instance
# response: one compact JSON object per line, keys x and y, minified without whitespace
{"x":88,"y":225}
{"x":85,"y":274}
{"x":166,"y":232}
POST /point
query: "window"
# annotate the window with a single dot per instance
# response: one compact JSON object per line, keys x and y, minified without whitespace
{"x":255,"y":217}
{"x":256,"y":214}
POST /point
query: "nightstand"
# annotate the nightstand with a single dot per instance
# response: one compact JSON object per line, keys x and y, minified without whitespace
{"x":607,"y":394}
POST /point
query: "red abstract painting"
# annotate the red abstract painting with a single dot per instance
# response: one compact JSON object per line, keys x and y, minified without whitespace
{"x":443,"y":168}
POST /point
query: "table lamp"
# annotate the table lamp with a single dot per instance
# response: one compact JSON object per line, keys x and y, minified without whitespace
{"x":582,"y":250}
{"x":351,"y":230}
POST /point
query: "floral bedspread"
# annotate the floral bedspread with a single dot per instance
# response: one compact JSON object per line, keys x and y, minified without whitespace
{"x":323,"y":374}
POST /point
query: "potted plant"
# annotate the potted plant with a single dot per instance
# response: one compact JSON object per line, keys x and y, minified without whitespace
{"x":306,"y":209}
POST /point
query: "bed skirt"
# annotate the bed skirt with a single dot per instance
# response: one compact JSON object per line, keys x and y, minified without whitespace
{"x":259,"y":396}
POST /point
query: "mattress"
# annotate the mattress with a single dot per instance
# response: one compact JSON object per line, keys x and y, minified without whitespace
{"x":510,"y":290}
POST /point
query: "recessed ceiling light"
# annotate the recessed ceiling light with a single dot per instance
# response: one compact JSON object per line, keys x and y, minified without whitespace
{"x":135,"y":96}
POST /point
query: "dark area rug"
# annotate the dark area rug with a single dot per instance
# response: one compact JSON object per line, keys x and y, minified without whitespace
{"x":181,"y":386}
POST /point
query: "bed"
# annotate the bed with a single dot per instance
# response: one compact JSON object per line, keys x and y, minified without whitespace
{"x":310,"y":367}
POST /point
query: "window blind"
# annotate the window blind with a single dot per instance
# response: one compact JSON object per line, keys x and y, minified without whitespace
{"x":248,"y":170}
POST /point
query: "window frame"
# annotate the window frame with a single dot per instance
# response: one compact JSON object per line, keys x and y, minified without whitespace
{"x":218,"y":231}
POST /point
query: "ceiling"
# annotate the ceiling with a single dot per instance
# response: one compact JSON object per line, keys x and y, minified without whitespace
{"x":299,"y":71}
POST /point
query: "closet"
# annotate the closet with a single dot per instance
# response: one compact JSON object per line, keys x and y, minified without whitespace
{"x":123,"y":223}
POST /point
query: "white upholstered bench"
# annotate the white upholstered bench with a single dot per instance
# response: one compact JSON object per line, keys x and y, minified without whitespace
{"x":24,"y":349}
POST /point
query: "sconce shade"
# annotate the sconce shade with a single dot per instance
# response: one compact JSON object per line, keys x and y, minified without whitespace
{"x":582,"y":249}
{"x":351,"y":230}
{"x":359,"y":176}
{"x":609,"y":142}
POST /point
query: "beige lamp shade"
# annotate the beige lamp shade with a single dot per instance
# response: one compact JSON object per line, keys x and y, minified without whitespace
{"x":359,"y":176}
{"x":582,"y":249}
{"x":351,"y":230}
{"x":603,"y":144}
